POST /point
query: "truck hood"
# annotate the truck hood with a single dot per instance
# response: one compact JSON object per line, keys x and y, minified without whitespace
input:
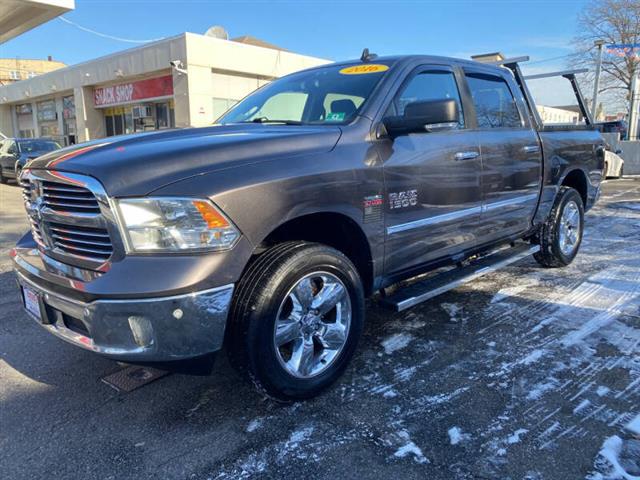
{"x":138,"y":164}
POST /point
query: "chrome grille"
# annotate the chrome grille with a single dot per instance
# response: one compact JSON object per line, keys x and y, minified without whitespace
{"x":83,"y":241}
{"x":67,"y":220}
{"x":35,"y":225}
{"x":61,"y":197}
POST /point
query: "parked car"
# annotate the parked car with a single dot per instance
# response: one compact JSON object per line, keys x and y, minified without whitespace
{"x":617,"y":126}
{"x":266,"y":232}
{"x":613,"y":164}
{"x":16,"y":152}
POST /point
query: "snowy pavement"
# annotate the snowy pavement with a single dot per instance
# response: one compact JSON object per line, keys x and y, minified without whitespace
{"x":527,"y":373}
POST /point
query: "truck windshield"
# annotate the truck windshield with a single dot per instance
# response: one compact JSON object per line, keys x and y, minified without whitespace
{"x":327,"y":95}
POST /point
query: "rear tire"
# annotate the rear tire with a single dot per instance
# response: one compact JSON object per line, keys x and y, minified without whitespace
{"x":296,"y":319}
{"x":561,"y":235}
{"x":3,"y":179}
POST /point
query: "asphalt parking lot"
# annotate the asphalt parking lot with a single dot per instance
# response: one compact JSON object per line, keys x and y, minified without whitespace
{"x":527,"y":373}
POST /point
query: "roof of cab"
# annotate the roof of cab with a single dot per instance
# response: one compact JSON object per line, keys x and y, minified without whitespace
{"x":402,"y":59}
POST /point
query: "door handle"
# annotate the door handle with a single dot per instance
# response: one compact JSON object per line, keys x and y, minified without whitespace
{"x":531,"y":149}
{"x":466,"y":155}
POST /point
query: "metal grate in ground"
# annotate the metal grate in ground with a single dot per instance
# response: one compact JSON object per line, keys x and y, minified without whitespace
{"x":133,"y":377}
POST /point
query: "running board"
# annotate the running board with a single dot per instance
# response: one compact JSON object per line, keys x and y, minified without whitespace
{"x":433,"y":286}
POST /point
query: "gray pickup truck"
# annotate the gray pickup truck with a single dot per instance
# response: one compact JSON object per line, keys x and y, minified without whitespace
{"x":266,"y":232}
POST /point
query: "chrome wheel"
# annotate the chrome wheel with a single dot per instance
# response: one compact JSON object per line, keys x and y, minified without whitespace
{"x":312,"y":324}
{"x":569,"y":229}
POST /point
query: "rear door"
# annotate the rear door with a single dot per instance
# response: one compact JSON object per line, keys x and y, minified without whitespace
{"x":432,"y":179}
{"x":511,"y":156}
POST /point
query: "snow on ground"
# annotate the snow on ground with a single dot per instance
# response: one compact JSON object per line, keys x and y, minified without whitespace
{"x":532,"y":361}
{"x":527,"y":373}
{"x":409,"y":449}
{"x":395,"y":342}
{"x":456,"y":435}
{"x":617,"y":460}
{"x":634,"y":426}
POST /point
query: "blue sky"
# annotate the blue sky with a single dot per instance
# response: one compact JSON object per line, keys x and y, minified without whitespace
{"x":335,"y":30}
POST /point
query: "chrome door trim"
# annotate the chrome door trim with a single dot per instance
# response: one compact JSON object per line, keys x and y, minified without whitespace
{"x":507,"y":203}
{"x":447,"y":217}
{"x":423,"y":222}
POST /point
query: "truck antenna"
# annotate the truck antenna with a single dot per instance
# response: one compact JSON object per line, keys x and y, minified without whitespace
{"x":366,"y":56}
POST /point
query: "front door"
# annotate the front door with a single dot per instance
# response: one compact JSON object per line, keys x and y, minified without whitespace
{"x":432,"y":180}
{"x":511,"y":157}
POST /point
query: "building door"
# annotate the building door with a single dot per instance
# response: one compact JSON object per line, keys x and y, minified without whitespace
{"x":432,"y":180}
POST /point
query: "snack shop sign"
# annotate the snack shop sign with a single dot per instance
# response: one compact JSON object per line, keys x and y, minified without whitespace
{"x":133,"y":91}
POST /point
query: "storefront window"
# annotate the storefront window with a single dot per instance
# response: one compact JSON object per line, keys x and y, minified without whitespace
{"x":128,"y":121}
{"x":162,"y":116}
{"x":48,"y":119}
{"x":137,"y":118}
{"x":24,"y":113}
{"x":69,"y":120}
{"x":108,"y":120}
{"x":47,"y":111}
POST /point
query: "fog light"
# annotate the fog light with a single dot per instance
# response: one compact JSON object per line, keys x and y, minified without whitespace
{"x":178,"y":313}
{"x":142,"y":330}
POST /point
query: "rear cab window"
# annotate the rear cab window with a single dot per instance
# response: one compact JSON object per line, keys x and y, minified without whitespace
{"x":493,"y":100}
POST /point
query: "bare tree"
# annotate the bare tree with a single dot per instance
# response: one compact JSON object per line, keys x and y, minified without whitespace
{"x":615,"y":22}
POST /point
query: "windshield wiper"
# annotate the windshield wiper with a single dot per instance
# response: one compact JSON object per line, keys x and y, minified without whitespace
{"x":268,"y":120}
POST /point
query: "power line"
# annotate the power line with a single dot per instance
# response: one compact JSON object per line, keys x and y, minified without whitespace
{"x":104,"y":35}
{"x":554,"y":58}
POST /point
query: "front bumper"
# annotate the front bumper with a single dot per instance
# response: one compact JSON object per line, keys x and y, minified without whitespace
{"x":161,"y":329}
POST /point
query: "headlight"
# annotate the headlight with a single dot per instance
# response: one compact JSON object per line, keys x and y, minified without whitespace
{"x":174,"y":225}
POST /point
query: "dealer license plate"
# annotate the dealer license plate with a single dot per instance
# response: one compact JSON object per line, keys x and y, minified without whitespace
{"x":32,"y":303}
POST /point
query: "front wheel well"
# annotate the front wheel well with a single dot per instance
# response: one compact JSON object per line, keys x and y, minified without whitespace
{"x":577,"y":180}
{"x":335,"y":230}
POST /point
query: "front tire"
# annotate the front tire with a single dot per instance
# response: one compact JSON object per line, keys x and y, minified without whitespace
{"x":561,"y":235}
{"x":296,"y":319}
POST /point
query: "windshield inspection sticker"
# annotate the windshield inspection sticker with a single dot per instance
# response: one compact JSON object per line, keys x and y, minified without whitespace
{"x":364,"y":69}
{"x":334,"y":117}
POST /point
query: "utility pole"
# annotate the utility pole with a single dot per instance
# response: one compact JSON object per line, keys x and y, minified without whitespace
{"x":632,"y":130}
{"x":596,"y":83}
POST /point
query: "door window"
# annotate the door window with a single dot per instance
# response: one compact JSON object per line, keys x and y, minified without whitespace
{"x":430,"y":85}
{"x":494,"y":102}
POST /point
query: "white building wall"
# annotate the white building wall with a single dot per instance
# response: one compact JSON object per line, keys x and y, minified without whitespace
{"x":551,"y":115}
{"x":219,"y":72}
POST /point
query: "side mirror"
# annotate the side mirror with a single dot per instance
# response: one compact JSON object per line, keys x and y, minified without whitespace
{"x":424,"y":116}
{"x":618,"y":151}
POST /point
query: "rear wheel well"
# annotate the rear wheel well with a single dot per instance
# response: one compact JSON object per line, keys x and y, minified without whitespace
{"x":333,"y":229}
{"x":577,"y":180}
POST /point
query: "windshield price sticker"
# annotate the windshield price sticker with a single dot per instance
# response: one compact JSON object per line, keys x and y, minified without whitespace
{"x":364,"y":69}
